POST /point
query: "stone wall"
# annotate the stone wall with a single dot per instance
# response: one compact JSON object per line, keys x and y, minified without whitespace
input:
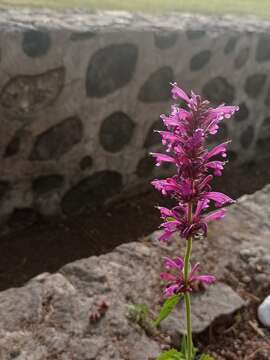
{"x":81,"y":93}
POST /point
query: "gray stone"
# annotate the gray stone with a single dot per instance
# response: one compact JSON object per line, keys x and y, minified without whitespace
{"x":13,"y":146}
{"x":45,"y":184}
{"x":267,"y":98}
{"x":263,"y":146}
{"x":265,"y":128}
{"x":200,"y":60}
{"x":145,"y":167}
{"x":58,"y":140}
{"x":116,"y":131}
{"x":264,"y":312}
{"x":247,"y":137}
{"x":218,"y":90}
{"x":230,"y":45}
{"x":263,"y":48}
{"x":110,"y":69}
{"x":241,"y":58}
{"x":242,"y":114}
{"x":153,"y":138}
{"x":157,"y":87}
{"x":36,"y":43}
{"x":26,"y":94}
{"x":195,"y":34}
{"x":91,"y":191}
{"x":232,"y":155}
{"x":254,"y":85}
{"x":86,"y":162}
{"x":216,"y":302}
{"x":5,"y":187}
{"x":165,"y":40}
{"x":82,"y":35}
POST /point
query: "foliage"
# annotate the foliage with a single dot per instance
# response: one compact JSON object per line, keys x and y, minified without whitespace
{"x":171,"y":355}
{"x":167,"y":308}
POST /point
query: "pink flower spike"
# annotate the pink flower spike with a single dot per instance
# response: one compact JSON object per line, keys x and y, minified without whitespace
{"x":179,"y":93}
{"x":215,"y":215}
{"x":176,"y":281}
{"x":162,"y":158}
{"x":219,"y":198}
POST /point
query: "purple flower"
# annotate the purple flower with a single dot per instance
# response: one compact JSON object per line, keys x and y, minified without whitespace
{"x":185,"y":142}
{"x":175,"y":278}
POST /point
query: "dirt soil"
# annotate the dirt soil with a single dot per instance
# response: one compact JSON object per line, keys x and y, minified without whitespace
{"x":46,"y":246}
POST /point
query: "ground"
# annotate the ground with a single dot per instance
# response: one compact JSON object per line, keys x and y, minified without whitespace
{"x":259,"y":8}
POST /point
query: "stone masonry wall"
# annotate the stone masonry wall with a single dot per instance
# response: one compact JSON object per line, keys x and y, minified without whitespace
{"x":80,"y":94}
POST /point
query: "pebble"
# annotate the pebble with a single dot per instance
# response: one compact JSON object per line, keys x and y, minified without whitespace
{"x":264,"y":312}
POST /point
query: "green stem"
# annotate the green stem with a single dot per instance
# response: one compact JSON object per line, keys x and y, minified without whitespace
{"x":187,"y":296}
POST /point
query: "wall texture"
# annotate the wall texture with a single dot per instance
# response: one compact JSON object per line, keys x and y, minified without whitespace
{"x":81,"y":93}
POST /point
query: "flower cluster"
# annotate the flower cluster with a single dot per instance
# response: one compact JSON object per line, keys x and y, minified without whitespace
{"x":185,"y":141}
{"x":177,"y":283}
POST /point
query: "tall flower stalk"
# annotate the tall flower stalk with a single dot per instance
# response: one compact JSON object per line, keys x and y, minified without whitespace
{"x":185,"y":140}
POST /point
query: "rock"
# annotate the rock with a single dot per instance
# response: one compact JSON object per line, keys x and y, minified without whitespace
{"x":242,"y":114}
{"x":208,"y":307}
{"x":36,"y":43}
{"x":92,"y":190}
{"x":165,"y":40}
{"x":231,"y":44}
{"x":24,"y":95}
{"x":219,"y":90}
{"x":44,"y":184}
{"x":199,"y":60}
{"x":247,"y":137}
{"x":145,"y":167}
{"x":110,"y":69}
{"x":255,"y":84}
{"x":58,"y":140}
{"x":157,"y":87}
{"x":264,"y":312}
{"x":116,"y":131}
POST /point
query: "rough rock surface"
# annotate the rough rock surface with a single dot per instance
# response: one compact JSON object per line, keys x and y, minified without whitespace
{"x":52,"y":316}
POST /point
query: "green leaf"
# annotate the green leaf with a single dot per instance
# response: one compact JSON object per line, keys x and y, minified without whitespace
{"x":206,"y":357}
{"x":171,"y":355}
{"x":167,"y":308}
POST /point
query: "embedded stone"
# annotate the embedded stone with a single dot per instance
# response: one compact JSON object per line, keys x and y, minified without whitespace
{"x":242,"y":114}
{"x":200,"y":60}
{"x":219,"y":90}
{"x":241,"y":58}
{"x":36,"y":43}
{"x":152,"y":137}
{"x":116,"y":131}
{"x":110,"y":69}
{"x":195,"y":34}
{"x":58,"y":140}
{"x":263,"y":145}
{"x":82,"y":35}
{"x":145,"y":167}
{"x":264,"y":312}
{"x":247,"y":137}
{"x":157,"y":86}
{"x":45,"y":184}
{"x":263,"y":48}
{"x":4,"y":188}
{"x":13,"y":146}
{"x":255,"y":84}
{"x":231,"y":44}
{"x":265,"y":129}
{"x":92,"y":190}
{"x":232,"y":155}
{"x":86,"y":162}
{"x":267,"y":98}
{"x":165,"y":40}
{"x":25,"y":94}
